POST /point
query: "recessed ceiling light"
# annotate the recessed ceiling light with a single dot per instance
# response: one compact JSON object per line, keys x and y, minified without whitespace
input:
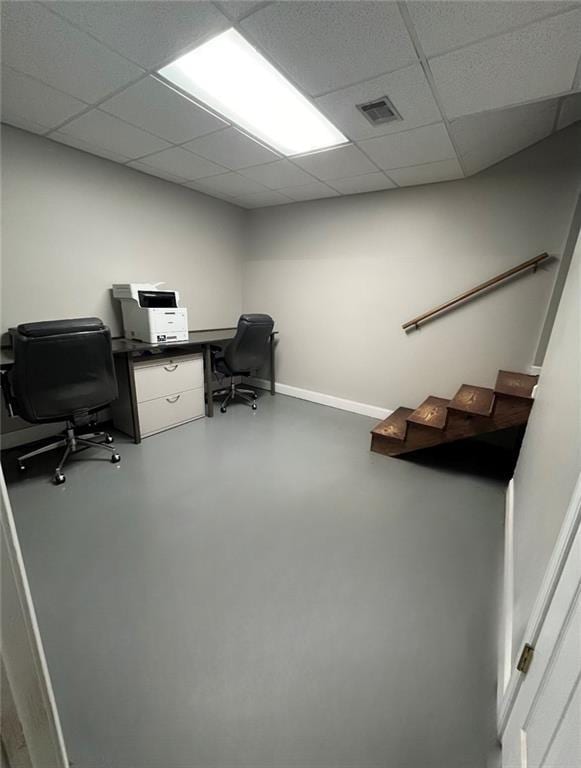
{"x":231,"y":77}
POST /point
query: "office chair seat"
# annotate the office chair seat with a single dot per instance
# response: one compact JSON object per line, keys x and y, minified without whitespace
{"x":222,"y":366}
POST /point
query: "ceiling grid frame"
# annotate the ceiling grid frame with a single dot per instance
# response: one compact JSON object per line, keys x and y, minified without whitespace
{"x":429,"y":76}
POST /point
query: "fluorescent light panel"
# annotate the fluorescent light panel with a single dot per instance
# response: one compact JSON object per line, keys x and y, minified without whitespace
{"x":231,"y":77}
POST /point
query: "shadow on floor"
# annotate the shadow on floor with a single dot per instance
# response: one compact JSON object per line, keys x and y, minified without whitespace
{"x":44,"y":466}
{"x":491,"y":456}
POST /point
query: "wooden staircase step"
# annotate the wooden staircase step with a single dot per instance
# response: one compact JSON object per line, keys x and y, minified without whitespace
{"x":395,"y":426}
{"x":471,"y":399}
{"x":433,"y":413}
{"x":515,"y":384}
{"x":508,"y":412}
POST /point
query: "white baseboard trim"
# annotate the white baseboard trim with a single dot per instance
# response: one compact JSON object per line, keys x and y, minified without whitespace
{"x":565,"y":540}
{"x":364,"y":409}
{"x":535,"y":370}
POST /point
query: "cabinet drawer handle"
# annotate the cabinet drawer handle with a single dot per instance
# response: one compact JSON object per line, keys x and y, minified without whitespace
{"x":173,"y":399}
{"x":170,"y":368}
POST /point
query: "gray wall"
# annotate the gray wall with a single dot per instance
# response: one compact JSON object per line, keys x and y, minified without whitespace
{"x":73,"y":224}
{"x":560,"y":281}
{"x":550,"y":459}
{"x":341,"y":275}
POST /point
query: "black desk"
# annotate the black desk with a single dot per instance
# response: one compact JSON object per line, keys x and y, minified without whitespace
{"x":128,"y":351}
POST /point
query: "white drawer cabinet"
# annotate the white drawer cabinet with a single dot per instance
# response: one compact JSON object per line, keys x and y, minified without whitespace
{"x":165,"y":412}
{"x":159,"y":378}
{"x":168,"y":391}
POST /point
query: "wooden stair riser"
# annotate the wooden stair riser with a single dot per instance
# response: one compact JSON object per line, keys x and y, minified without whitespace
{"x":385,"y":446}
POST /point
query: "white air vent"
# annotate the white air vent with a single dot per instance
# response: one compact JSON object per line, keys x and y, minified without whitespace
{"x":379,"y":110}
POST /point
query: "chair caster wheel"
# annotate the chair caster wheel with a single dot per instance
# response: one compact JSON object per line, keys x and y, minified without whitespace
{"x":58,"y":478}
{"x":115,"y":458}
{"x":22,"y":467}
{"x":222,"y":409}
{"x":254,"y":406}
{"x":108,"y":439}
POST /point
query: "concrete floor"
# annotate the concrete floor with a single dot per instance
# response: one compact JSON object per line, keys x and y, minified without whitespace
{"x":260,"y":591}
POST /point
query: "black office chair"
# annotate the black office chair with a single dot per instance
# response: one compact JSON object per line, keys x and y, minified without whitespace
{"x":247,"y":352}
{"x":63,"y":371}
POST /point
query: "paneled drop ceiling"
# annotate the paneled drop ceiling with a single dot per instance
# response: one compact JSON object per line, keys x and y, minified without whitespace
{"x":474,"y":82}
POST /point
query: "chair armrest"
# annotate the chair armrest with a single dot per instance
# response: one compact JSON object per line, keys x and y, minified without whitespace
{"x":7,"y":392}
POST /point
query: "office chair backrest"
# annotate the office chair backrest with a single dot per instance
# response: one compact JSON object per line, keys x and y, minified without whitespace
{"x":63,"y":369}
{"x":249,"y":348}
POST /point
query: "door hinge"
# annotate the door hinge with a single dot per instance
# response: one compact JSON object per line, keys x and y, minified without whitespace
{"x":525,"y":659}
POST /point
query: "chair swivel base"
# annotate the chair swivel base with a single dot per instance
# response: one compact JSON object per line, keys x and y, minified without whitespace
{"x":248,"y":396}
{"x":73,"y":443}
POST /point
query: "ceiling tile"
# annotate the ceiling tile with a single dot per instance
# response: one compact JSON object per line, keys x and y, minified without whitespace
{"x":369,"y":182}
{"x":138,"y":165}
{"x":102,"y":130}
{"x":239,"y":9}
{"x":86,"y":146}
{"x":510,"y":126}
{"x":277,"y":175}
{"x":444,"y":170}
{"x":183,"y":164}
{"x":232,"y":149}
{"x":218,"y":194}
{"x":420,"y":145}
{"x":484,"y":139}
{"x":311,"y":191}
{"x":570,"y":111}
{"x":408,"y":90}
{"x":29,"y":101}
{"x":336,"y":163}
{"x":149,"y":33}
{"x":43,"y":45}
{"x":161,"y":110}
{"x":263,"y":199}
{"x":26,"y":125}
{"x":232,"y":184}
{"x":320,"y":44}
{"x":533,"y":63}
{"x":444,"y":25}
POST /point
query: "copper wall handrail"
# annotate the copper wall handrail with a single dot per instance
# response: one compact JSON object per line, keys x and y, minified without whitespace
{"x":531,"y":263}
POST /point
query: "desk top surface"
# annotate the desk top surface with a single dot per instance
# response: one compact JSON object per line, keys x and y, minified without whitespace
{"x":122,"y":346}
{"x":210,"y":336}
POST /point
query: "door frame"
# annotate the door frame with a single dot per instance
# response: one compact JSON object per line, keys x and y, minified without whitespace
{"x":31,"y":730}
{"x":563,"y":546}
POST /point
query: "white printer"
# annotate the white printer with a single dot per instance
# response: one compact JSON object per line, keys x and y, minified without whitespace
{"x":150,"y":314}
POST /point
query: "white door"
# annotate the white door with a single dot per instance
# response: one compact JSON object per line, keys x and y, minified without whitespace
{"x":544,"y":727}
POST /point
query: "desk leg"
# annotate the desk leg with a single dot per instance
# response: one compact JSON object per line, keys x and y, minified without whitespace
{"x":272,"y":371}
{"x":208,"y":380}
{"x":133,"y":400}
